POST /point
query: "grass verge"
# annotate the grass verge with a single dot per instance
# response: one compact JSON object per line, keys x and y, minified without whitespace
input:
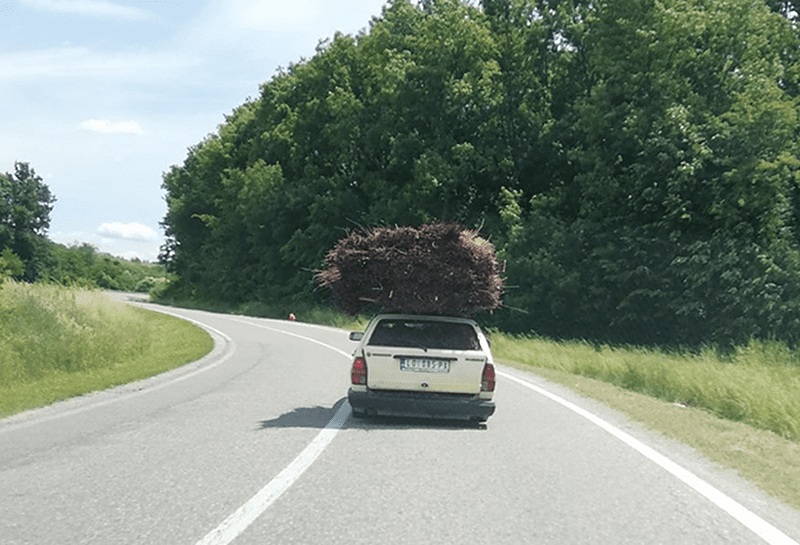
{"x":763,"y":457}
{"x":57,"y":343}
{"x":756,"y":384}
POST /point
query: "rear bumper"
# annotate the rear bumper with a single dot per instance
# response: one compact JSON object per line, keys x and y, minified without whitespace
{"x":430,"y":405}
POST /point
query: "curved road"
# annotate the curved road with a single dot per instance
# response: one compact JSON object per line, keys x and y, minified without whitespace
{"x":255,"y":444}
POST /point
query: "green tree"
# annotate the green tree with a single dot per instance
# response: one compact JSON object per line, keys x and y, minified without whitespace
{"x":628,"y":158}
{"x":377,"y":129}
{"x":26,"y":201}
{"x":25,"y":206}
{"x":679,"y":139}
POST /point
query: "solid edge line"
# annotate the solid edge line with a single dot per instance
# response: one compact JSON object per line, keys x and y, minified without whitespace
{"x":250,"y":511}
{"x":289,"y":333}
{"x":753,"y":522}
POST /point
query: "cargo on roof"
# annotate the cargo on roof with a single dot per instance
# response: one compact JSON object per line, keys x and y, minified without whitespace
{"x":439,"y":268}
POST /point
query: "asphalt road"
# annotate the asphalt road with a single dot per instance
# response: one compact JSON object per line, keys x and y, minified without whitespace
{"x":255,"y":444}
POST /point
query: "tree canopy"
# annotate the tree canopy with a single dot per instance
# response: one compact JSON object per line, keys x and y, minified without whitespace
{"x":25,"y":206}
{"x":634,"y":161}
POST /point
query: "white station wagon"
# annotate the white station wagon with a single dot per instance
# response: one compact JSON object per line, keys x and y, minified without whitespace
{"x":429,"y":366}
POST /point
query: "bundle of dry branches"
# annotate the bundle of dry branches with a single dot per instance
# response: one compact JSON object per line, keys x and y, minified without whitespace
{"x":438,"y":268}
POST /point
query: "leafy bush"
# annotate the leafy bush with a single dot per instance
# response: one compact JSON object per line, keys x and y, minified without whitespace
{"x":82,"y":265}
{"x":638,"y":285}
{"x":149,"y":283}
{"x":10,"y":265}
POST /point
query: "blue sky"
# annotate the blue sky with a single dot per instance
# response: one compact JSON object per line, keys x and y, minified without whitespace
{"x":101,"y":97}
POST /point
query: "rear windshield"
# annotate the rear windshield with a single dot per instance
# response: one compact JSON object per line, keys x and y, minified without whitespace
{"x":424,"y":334}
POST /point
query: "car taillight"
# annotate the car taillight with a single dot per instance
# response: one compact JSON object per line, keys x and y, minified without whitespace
{"x":358,"y":372}
{"x":487,"y":380}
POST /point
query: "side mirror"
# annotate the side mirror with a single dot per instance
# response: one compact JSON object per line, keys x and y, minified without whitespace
{"x":356,"y":335}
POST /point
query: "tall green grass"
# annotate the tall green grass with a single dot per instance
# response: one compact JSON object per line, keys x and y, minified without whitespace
{"x":758,"y":384}
{"x":58,"y":342}
{"x":46,"y":329}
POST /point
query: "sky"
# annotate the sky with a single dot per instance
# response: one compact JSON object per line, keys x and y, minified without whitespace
{"x":101,"y":97}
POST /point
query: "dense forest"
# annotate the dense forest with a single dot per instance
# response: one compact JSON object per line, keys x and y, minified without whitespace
{"x":635,"y":162}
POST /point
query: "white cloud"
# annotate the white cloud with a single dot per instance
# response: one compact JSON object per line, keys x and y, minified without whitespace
{"x":261,"y":25}
{"x":127,"y":231}
{"x":92,"y":8}
{"x":104,"y":126}
{"x":270,"y":14}
{"x":78,"y":62}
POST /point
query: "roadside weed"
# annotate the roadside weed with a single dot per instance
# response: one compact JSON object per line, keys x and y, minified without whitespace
{"x":58,"y":342}
{"x":758,"y":384}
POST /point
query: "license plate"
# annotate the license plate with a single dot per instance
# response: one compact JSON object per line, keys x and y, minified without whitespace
{"x":424,"y":365}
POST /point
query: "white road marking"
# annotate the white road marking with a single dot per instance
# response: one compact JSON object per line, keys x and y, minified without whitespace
{"x":255,"y":506}
{"x":250,"y":511}
{"x":235,"y":524}
{"x":756,"y":524}
{"x":277,"y":330}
